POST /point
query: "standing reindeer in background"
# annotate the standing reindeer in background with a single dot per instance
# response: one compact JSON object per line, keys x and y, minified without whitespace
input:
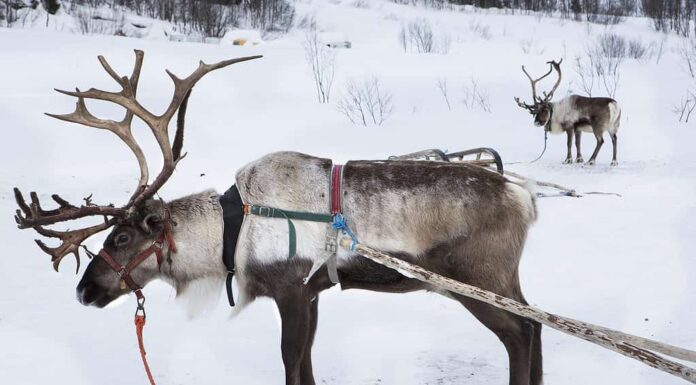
{"x":574,"y":114}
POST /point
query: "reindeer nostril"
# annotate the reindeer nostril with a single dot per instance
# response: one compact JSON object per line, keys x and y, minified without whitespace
{"x":86,"y":292}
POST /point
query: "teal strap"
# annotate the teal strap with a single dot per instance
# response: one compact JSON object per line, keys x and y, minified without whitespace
{"x":271,"y":212}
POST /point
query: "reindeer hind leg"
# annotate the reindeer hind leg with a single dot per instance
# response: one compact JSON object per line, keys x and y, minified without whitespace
{"x":578,"y":153}
{"x":569,"y":156}
{"x":600,"y":142}
{"x":614,"y":162}
{"x":521,"y":338}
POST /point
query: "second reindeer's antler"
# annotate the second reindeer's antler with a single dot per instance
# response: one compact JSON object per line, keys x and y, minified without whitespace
{"x":553,"y":65}
{"x":31,"y":215}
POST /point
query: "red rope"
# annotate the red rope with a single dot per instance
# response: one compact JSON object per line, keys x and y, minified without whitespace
{"x":139,"y":325}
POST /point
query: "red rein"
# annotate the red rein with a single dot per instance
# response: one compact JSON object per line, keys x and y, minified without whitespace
{"x":125,"y":271}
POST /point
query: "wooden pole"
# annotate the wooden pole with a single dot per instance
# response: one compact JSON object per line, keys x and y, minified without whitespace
{"x":619,"y":342}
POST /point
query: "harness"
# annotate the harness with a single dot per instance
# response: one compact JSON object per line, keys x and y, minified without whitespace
{"x":233,"y":216}
{"x":124,"y":272}
{"x":336,"y":219}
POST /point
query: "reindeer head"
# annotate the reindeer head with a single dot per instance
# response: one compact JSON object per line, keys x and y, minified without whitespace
{"x":143,"y":223}
{"x":541,"y":109}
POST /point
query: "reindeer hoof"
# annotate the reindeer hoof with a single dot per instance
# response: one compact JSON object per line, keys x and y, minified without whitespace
{"x":590,"y":162}
{"x":568,"y":161}
{"x":579,"y":159}
{"x":614,"y":163}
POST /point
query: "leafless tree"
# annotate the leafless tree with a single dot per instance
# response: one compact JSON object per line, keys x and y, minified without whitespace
{"x":322,"y":61}
{"x":365,"y":102}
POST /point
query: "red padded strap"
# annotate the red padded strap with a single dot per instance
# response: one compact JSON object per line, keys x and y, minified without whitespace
{"x":336,"y":176}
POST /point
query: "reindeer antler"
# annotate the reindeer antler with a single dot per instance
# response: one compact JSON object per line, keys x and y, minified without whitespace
{"x":537,"y":100}
{"x":556,"y":66}
{"x":32,"y":215}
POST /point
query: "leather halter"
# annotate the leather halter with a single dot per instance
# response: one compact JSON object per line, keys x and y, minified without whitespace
{"x":124,"y":271}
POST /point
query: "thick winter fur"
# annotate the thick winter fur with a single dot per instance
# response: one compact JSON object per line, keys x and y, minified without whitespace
{"x":454,"y":219}
{"x":576,"y":114}
{"x":457,"y":220}
{"x":196,"y":271}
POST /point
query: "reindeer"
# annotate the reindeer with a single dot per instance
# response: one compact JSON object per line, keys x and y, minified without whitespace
{"x":574,"y":114}
{"x":457,"y":220}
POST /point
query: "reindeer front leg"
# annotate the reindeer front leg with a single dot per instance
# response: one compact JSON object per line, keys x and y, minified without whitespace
{"x":295,"y":313}
{"x":569,"y":157}
{"x":578,"y":153}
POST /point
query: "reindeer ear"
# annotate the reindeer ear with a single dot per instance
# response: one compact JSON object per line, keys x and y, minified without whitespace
{"x":152,"y":223}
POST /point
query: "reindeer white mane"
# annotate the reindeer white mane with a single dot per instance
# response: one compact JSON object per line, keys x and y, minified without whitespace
{"x":197,"y":271}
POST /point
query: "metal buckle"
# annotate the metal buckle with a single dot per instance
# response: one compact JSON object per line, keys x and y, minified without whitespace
{"x":140,"y":310}
{"x":330,"y":243}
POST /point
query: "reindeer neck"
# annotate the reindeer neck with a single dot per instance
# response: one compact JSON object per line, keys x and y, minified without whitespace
{"x":197,"y":231}
{"x":550,"y":122}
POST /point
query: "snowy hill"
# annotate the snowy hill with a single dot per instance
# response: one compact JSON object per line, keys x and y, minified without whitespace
{"x":626,"y":263}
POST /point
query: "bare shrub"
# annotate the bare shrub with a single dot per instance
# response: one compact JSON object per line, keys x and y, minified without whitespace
{"x":660,"y":49}
{"x":435,"y":4}
{"x":361,"y":4}
{"x":476,"y":97}
{"x":480,"y":29}
{"x":89,"y":21}
{"x":687,"y":52}
{"x":529,"y":46}
{"x":585,"y":70}
{"x":603,"y":58}
{"x":640,"y":51}
{"x":442,"y":86}
{"x":686,"y":106}
{"x":418,"y":35}
{"x":321,"y":60}
{"x":611,"y":45}
{"x":365,"y":103}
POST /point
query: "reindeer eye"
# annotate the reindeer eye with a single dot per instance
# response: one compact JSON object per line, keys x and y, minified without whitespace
{"x":122,"y":239}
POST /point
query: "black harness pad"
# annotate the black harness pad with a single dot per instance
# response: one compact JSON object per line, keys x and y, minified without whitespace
{"x":233,"y":216}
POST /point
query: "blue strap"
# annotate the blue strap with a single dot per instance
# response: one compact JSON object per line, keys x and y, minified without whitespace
{"x":339,"y":223}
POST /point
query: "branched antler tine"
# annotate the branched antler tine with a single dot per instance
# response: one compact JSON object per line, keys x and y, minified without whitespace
{"x":124,"y":99}
{"x":62,"y":202}
{"x":39,"y":212}
{"x":19,"y":198}
{"x":554,"y":66}
{"x":133,"y":83}
{"x":33,"y":215}
{"x":70,"y":241}
{"x":107,"y":67}
{"x":535,"y":81}
{"x":524,"y":105}
{"x":159,"y":128}
{"x":135,"y":75}
{"x":182,"y":86}
{"x":122,"y":129}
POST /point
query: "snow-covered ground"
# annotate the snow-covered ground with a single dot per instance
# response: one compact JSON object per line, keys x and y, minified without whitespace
{"x":626,"y":263}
